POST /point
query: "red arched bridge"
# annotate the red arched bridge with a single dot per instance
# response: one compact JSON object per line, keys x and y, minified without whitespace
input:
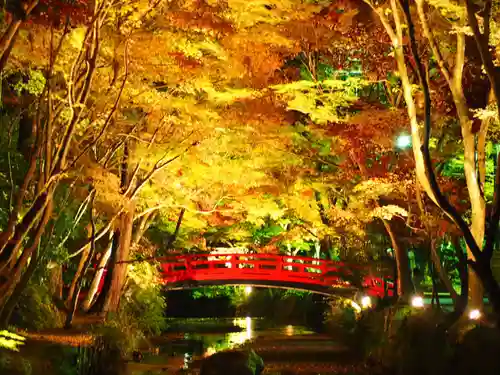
{"x":270,"y":270}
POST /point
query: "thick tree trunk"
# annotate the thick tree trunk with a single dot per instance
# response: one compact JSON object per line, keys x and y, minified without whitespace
{"x":12,"y":302}
{"x":94,"y":286}
{"x":120,"y":269}
{"x":404,"y":283}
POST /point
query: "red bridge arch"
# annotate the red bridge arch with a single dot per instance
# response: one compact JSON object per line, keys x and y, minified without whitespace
{"x":268,"y":270}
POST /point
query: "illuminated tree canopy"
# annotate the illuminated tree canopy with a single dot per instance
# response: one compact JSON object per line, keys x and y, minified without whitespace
{"x":136,"y":128}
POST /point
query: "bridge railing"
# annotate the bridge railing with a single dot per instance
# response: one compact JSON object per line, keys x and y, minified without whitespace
{"x":201,"y":267}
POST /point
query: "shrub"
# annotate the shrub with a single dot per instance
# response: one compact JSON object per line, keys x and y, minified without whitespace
{"x":36,"y":310}
{"x":143,"y":300}
{"x":13,"y":364}
{"x":141,"y":312}
{"x":419,"y":345}
{"x":403,"y":341}
{"x":477,"y":353}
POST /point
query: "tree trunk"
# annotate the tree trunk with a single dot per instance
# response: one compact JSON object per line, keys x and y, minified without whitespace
{"x":490,"y":285}
{"x":438,"y":268}
{"x":96,"y":281}
{"x":174,"y":235}
{"x":404,"y":283}
{"x":9,"y":36}
{"x":98,"y":305}
{"x":56,"y":282}
{"x":120,"y":269}
{"x":14,"y":277}
{"x":12,"y":302}
{"x":78,"y":273}
{"x":86,"y":264}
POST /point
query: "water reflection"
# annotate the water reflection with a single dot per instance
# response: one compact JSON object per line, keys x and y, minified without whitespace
{"x":194,"y":346}
{"x":234,"y":339}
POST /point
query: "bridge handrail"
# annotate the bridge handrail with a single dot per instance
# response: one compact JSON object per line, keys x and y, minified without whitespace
{"x":323,"y":271}
{"x":260,"y":257}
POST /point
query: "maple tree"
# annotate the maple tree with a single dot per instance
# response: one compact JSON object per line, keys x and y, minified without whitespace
{"x":145,"y":126}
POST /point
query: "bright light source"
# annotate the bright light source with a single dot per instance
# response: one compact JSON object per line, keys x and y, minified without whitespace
{"x":366,"y":302}
{"x":403,"y":141}
{"x":248,"y":290}
{"x":289,"y":330}
{"x":355,"y":306}
{"x":474,"y":314}
{"x":417,"y":302}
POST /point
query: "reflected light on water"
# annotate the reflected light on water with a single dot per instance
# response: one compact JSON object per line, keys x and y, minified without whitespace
{"x":234,"y":338}
{"x":238,"y":338}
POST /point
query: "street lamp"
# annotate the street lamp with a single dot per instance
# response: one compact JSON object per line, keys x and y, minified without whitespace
{"x":248,"y":290}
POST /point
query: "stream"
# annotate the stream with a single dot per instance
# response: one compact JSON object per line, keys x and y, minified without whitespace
{"x":285,"y":349}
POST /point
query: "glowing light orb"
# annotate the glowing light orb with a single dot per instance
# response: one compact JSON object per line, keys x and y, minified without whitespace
{"x":366,"y":302}
{"x":248,"y":290}
{"x":403,"y":141}
{"x":417,"y":302}
{"x":474,"y":314}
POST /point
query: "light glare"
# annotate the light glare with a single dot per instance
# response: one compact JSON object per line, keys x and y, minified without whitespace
{"x":474,"y":314}
{"x":366,"y":302}
{"x":417,"y":302}
{"x":355,"y":306}
{"x":403,"y":141}
{"x":248,"y":290}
